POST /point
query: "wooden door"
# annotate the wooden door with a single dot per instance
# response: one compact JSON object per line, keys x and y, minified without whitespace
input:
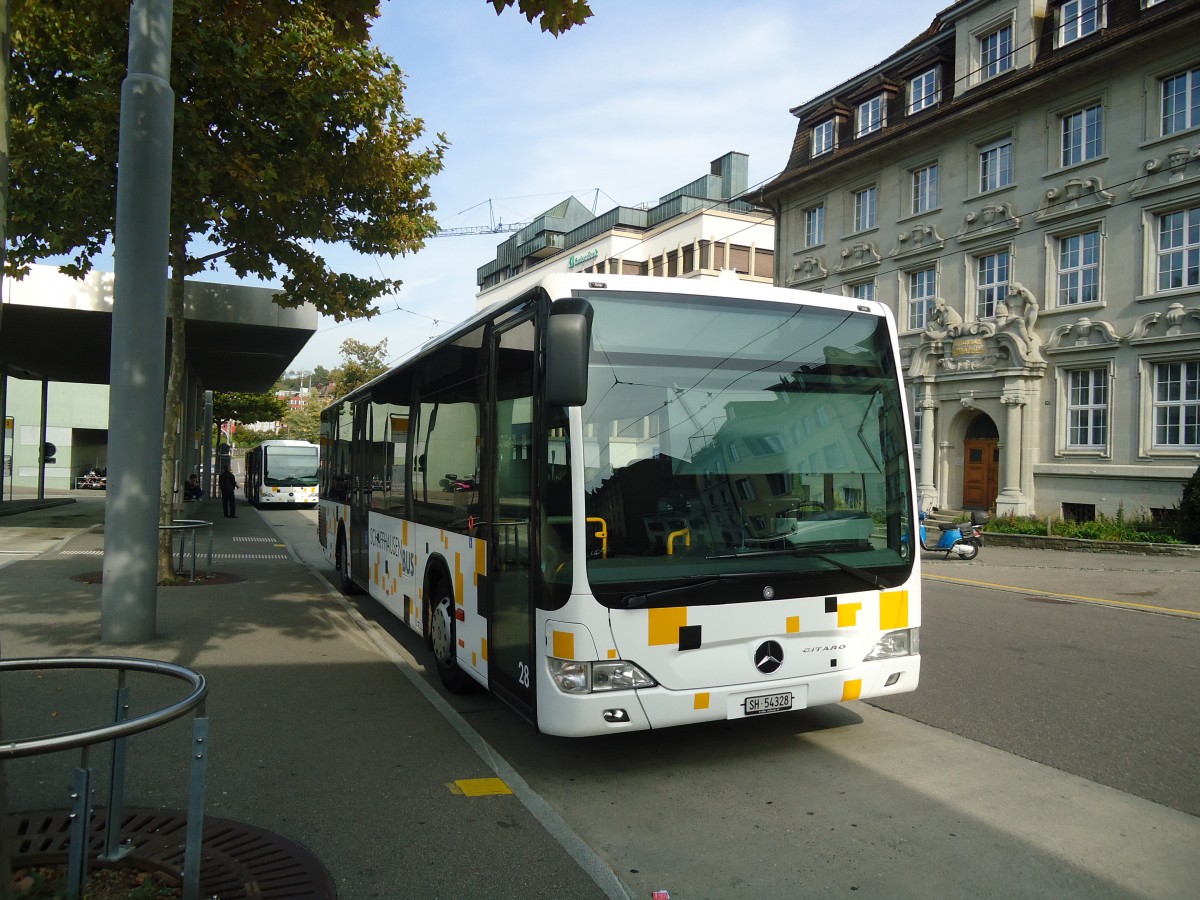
{"x":981,"y":473}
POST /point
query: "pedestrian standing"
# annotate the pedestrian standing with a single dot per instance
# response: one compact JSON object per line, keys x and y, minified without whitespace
{"x":228,"y":485}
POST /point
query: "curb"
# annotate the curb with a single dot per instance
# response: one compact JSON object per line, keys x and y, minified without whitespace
{"x":1042,"y":542}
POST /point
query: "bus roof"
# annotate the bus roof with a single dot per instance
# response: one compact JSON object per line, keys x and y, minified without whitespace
{"x":563,"y":284}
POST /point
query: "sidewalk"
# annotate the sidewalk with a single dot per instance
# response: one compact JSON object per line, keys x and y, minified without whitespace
{"x":316,"y":734}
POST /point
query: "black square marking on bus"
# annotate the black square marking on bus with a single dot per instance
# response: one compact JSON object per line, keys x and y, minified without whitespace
{"x":833,"y":664}
{"x":689,"y":637}
{"x":831,"y":604}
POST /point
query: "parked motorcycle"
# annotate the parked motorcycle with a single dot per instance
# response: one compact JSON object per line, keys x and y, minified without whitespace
{"x":961,"y":538}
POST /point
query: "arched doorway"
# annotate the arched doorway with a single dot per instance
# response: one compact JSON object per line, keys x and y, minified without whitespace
{"x":981,"y":463}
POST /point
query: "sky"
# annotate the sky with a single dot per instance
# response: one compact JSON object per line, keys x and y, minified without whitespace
{"x":620,"y":111}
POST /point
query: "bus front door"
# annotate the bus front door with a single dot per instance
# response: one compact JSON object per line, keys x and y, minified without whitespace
{"x":360,"y":493}
{"x":508,"y":514}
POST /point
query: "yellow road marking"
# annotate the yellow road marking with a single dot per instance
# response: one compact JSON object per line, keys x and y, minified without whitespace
{"x":1101,"y":601}
{"x":479,"y":787}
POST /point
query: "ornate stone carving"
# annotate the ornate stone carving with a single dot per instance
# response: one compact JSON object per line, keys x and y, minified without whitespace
{"x":944,"y":321}
{"x":919,"y":239}
{"x":1179,"y":167}
{"x":987,"y":221}
{"x":858,"y":255}
{"x":807,"y":268}
{"x":1175,"y":322}
{"x":1083,"y":334}
{"x":1078,"y":195}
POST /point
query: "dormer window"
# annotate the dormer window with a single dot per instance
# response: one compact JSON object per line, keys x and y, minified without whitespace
{"x":871,"y":116}
{"x":996,"y":52}
{"x":823,"y":137}
{"x":1079,"y":18}
{"x":924,"y":91}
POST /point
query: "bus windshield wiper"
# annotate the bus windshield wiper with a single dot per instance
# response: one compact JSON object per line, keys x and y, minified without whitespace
{"x":636,"y":601}
{"x":818,"y":551}
{"x":860,"y":574}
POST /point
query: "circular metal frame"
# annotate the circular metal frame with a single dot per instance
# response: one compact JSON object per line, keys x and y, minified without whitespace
{"x":72,"y":739}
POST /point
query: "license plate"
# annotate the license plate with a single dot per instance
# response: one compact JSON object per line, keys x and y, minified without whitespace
{"x":768,"y":703}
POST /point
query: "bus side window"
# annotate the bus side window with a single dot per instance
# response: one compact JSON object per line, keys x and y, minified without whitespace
{"x":445,"y":487}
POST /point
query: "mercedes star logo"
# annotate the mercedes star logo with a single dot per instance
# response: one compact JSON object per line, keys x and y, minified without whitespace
{"x":768,"y":657}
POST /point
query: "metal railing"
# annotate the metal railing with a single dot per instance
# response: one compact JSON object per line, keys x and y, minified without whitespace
{"x":117,"y":733}
{"x":184,"y":527}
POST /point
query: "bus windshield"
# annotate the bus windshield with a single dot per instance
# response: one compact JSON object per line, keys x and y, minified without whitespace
{"x":727,"y":438}
{"x":290,"y":467}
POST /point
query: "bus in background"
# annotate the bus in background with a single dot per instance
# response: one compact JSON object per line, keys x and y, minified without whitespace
{"x":281,"y":473}
{"x":625,"y":502}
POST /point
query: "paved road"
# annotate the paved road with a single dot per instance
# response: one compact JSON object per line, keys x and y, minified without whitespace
{"x":842,"y":799}
{"x":857,"y":799}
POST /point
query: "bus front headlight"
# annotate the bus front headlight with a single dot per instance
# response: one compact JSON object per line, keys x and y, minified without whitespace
{"x":905,"y":642}
{"x":579,"y":677}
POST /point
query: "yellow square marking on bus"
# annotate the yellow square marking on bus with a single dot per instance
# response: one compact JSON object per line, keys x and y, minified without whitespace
{"x":485,"y":659}
{"x":700,"y":701}
{"x":793,"y":624}
{"x":564,"y":645}
{"x":893,"y":610}
{"x":474,"y":660}
{"x":851,"y":689}
{"x":664,"y":625}
{"x":612,"y":654}
{"x":848,"y":614}
{"x":480,"y":560}
{"x":458,"y":579}
{"x":479,"y":787}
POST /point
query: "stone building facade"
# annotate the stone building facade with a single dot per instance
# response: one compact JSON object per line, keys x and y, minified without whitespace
{"x":1021,"y":185}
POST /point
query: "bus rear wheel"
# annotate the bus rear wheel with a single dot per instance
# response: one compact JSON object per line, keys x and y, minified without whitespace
{"x":443,"y":634}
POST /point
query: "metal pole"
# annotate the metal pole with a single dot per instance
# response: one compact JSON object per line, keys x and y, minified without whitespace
{"x":206,"y":472}
{"x":41,"y":478}
{"x":137,"y":370}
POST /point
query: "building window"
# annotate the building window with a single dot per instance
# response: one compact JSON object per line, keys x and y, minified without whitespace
{"x":1082,"y":135}
{"x":1177,"y":404}
{"x":925,"y":188}
{"x":918,"y":419}
{"x":864,"y":209}
{"x":814,"y":226}
{"x":923,"y":91}
{"x":1180,"y":102}
{"x":996,"y":165}
{"x":922,"y":289}
{"x":823,"y":138}
{"x":995,"y":52}
{"x":1078,"y":18}
{"x":1079,"y":268}
{"x":864,"y":290}
{"x":871,"y":117}
{"x":1087,"y":409}
{"x":1179,"y":249}
{"x":991,"y":282}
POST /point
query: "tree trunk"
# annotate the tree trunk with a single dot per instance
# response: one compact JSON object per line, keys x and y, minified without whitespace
{"x":172,"y":408}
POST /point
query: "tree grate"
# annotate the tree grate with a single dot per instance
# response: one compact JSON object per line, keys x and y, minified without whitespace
{"x":238,"y":860}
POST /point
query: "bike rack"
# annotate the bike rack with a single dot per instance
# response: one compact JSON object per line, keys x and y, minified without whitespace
{"x":117,"y":733}
{"x":183,"y":526}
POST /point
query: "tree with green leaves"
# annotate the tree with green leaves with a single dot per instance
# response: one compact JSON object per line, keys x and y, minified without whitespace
{"x":290,"y":134}
{"x":360,"y":363}
{"x":303,"y":422}
{"x":1189,"y":510}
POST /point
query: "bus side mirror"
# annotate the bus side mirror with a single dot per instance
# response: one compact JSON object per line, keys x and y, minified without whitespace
{"x":568,"y":345}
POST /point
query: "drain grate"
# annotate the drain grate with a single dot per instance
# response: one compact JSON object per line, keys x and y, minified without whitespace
{"x":239,"y":860}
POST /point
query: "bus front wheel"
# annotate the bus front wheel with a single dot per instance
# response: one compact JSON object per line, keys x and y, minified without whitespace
{"x":342,"y":561}
{"x":444,"y":636}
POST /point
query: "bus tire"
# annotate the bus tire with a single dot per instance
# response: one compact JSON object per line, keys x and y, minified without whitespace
{"x":342,"y":561}
{"x":444,"y":636}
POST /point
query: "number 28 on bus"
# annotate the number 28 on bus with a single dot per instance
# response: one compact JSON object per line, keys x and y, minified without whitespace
{"x":623,"y":502}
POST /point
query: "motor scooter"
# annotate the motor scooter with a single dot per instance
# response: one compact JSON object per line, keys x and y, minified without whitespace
{"x":961,"y":538}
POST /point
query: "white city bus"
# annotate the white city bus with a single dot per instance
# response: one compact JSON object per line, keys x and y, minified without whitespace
{"x":625,"y":502}
{"x":281,"y":473}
